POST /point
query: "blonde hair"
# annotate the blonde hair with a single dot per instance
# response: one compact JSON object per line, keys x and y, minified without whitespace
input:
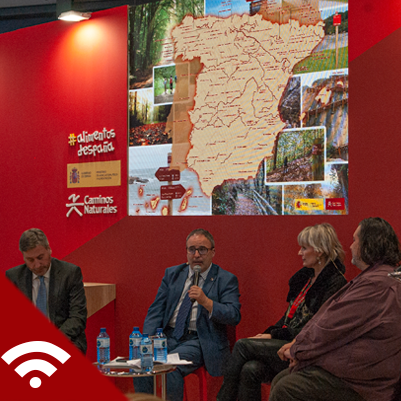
{"x":322,"y":238}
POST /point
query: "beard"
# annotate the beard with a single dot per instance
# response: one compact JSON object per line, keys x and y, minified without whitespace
{"x":357,"y":261}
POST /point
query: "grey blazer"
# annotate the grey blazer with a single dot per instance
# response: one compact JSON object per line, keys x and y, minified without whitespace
{"x":67,"y":301}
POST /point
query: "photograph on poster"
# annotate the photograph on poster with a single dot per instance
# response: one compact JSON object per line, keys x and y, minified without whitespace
{"x":325,"y":102}
{"x":149,"y":183}
{"x":290,"y":105}
{"x":299,"y":155}
{"x":150,"y":44}
{"x":323,"y":57}
{"x":147,"y":121}
{"x":247,"y":197}
{"x":310,"y":199}
{"x":258,"y":97}
{"x":164,"y":84}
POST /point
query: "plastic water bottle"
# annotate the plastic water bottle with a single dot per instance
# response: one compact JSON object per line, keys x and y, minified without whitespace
{"x":135,"y":339}
{"x":160,"y":344}
{"x":103,"y":346}
{"x":146,"y":353}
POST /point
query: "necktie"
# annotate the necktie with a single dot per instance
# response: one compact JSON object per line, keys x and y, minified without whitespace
{"x":41,"y":300}
{"x":182,"y":317}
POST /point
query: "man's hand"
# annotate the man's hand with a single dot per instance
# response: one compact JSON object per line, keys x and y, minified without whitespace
{"x":284,"y":353}
{"x":197,"y":294}
{"x":263,"y":336}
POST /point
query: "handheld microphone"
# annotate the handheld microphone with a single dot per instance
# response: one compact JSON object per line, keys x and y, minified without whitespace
{"x":197,"y":271}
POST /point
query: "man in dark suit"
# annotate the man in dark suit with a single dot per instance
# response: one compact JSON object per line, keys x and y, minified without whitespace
{"x":54,"y":286}
{"x":203,"y":341}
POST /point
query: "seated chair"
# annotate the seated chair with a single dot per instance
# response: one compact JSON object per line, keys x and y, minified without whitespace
{"x":202,"y":374}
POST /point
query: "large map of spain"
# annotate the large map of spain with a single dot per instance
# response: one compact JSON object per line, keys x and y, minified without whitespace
{"x":246,"y":64}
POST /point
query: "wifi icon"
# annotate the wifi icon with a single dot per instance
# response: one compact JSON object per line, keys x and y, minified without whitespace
{"x":35,"y":364}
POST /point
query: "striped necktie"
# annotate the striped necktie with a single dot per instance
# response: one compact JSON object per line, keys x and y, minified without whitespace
{"x":182,"y":317}
{"x":41,"y":300}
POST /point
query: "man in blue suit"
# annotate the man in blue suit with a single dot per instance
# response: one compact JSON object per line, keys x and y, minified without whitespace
{"x":215,"y":304}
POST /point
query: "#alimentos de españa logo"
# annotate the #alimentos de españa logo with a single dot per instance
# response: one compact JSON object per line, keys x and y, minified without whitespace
{"x":98,"y":142}
{"x":94,"y":143}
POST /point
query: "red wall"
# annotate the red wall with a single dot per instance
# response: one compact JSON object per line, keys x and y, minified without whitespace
{"x":56,"y":79}
{"x":42,"y":108}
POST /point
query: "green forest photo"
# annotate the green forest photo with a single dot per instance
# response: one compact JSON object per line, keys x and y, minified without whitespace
{"x":149,"y":28}
{"x":297,"y":156}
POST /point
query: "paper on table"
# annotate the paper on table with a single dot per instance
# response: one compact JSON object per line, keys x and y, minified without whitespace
{"x":134,"y":362}
{"x":120,"y":362}
{"x":172,"y":359}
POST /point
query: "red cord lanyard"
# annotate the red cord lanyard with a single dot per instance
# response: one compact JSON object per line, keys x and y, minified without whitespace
{"x":298,"y":300}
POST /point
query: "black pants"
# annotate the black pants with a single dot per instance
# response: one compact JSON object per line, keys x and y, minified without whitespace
{"x":253,"y":362}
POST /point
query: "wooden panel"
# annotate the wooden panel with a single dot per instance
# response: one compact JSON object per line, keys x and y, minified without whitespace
{"x":98,"y":295}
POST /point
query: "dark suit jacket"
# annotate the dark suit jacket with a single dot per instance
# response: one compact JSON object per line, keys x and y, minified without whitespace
{"x":220,"y":286}
{"x":67,"y":301}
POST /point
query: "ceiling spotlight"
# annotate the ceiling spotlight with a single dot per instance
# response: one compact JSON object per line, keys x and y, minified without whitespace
{"x":74,"y":16}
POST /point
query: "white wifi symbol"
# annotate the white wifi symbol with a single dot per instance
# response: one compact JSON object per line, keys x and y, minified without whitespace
{"x":35,"y":364}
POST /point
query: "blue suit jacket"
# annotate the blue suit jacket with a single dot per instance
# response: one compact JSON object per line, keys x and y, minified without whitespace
{"x":221,"y":287}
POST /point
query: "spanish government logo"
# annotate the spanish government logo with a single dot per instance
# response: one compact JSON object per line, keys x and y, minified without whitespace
{"x":74,"y":176}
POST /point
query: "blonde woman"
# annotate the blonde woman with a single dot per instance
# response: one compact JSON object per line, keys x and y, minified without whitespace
{"x":254,"y":360}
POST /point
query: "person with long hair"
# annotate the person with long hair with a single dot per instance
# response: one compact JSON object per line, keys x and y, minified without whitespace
{"x":254,"y":360}
{"x":351,"y":349}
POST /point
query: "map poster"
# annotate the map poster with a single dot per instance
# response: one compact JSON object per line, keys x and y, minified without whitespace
{"x":238,"y":107}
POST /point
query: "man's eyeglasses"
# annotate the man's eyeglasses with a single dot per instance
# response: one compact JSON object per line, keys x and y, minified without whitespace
{"x":202,"y":250}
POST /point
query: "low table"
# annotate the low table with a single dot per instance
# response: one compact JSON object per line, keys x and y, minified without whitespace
{"x":159,"y":370}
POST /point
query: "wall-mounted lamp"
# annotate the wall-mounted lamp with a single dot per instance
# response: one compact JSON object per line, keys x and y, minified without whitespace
{"x":74,"y":16}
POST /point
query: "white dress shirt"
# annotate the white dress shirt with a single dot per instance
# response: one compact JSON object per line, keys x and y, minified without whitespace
{"x":194,"y":311}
